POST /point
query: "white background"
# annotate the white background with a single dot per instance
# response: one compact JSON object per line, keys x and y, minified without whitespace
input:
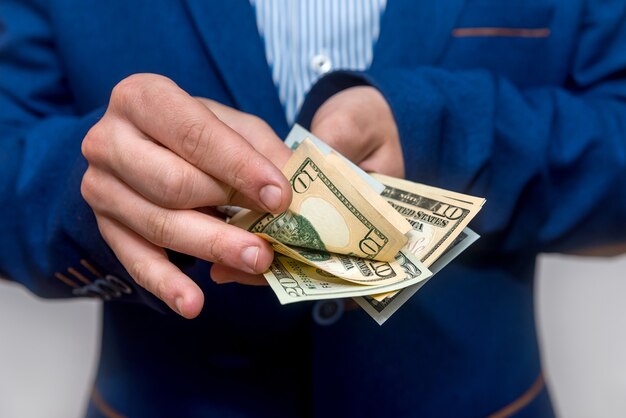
{"x":48,"y":349}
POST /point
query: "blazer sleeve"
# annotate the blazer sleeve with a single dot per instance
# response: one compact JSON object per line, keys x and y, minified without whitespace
{"x":49,"y":240}
{"x":551,"y":160}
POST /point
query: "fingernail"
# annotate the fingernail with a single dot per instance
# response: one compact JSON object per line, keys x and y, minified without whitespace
{"x":179,"y":304}
{"x":271,"y":196}
{"x":250,"y":256}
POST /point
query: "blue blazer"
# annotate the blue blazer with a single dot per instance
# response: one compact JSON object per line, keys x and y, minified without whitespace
{"x":523,"y":102}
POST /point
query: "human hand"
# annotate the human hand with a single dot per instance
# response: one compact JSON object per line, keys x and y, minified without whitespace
{"x":359,"y":124}
{"x":256,"y":132}
{"x":159,"y":154}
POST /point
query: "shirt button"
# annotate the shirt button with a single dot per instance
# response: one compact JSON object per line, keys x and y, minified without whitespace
{"x":327,"y":312}
{"x":321,"y":63}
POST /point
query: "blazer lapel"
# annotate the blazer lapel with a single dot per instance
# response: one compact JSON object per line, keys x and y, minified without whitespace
{"x":229,"y":32}
{"x":415,"y":33}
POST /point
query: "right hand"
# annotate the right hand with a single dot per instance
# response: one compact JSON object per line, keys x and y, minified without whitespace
{"x":156,"y":156}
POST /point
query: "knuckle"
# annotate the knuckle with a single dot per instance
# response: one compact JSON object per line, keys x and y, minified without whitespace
{"x":176,"y":186}
{"x":195,"y":138}
{"x":88,"y":186}
{"x":159,"y":228}
{"x":139,"y":270}
{"x":208,"y":103}
{"x":147,"y":275}
{"x":238,"y":174}
{"x":104,"y":228}
{"x":127,"y":90}
{"x":93,"y":143}
{"x":259,"y":123}
{"x":215,"y":248}
{"x":133,"y":89}
{"x":159,"y":289}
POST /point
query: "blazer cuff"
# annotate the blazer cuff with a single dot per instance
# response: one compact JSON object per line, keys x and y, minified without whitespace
{"x":324,"y":89}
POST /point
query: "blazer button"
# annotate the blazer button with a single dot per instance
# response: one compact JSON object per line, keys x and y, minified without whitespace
{"x":119,"y":284}
{"x":327,"y":312}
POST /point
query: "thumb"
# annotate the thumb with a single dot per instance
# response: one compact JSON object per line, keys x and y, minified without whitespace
{"x":344,"y":133}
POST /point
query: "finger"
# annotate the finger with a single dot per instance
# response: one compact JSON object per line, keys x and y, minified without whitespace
{"x":387,"y":160}
{"x":222,"y":274}
{"x":163,"y":111}
{"x":185,"y":231}
{"x":255,"y":130}
{"x":156,"y":172}
{"x":162,"y":176}
{"x":149,"y":267}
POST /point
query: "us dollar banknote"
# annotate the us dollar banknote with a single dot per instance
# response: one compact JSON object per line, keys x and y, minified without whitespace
{"x":351,"y":234}
{"x":329,"y":214}
{"x":439,"y":218}
{"x":436,"y":218}
{"x":361,"y":271}
{"x":382,"y":308}
{"x":294,"y":281}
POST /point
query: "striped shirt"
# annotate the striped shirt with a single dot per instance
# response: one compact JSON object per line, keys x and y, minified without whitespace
{"x":304,"y":39}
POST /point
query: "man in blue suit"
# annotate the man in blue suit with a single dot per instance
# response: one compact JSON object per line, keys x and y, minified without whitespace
{"x":176,"y":111}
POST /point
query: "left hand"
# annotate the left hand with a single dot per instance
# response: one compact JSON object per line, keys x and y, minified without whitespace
{"x":359,"y":124}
